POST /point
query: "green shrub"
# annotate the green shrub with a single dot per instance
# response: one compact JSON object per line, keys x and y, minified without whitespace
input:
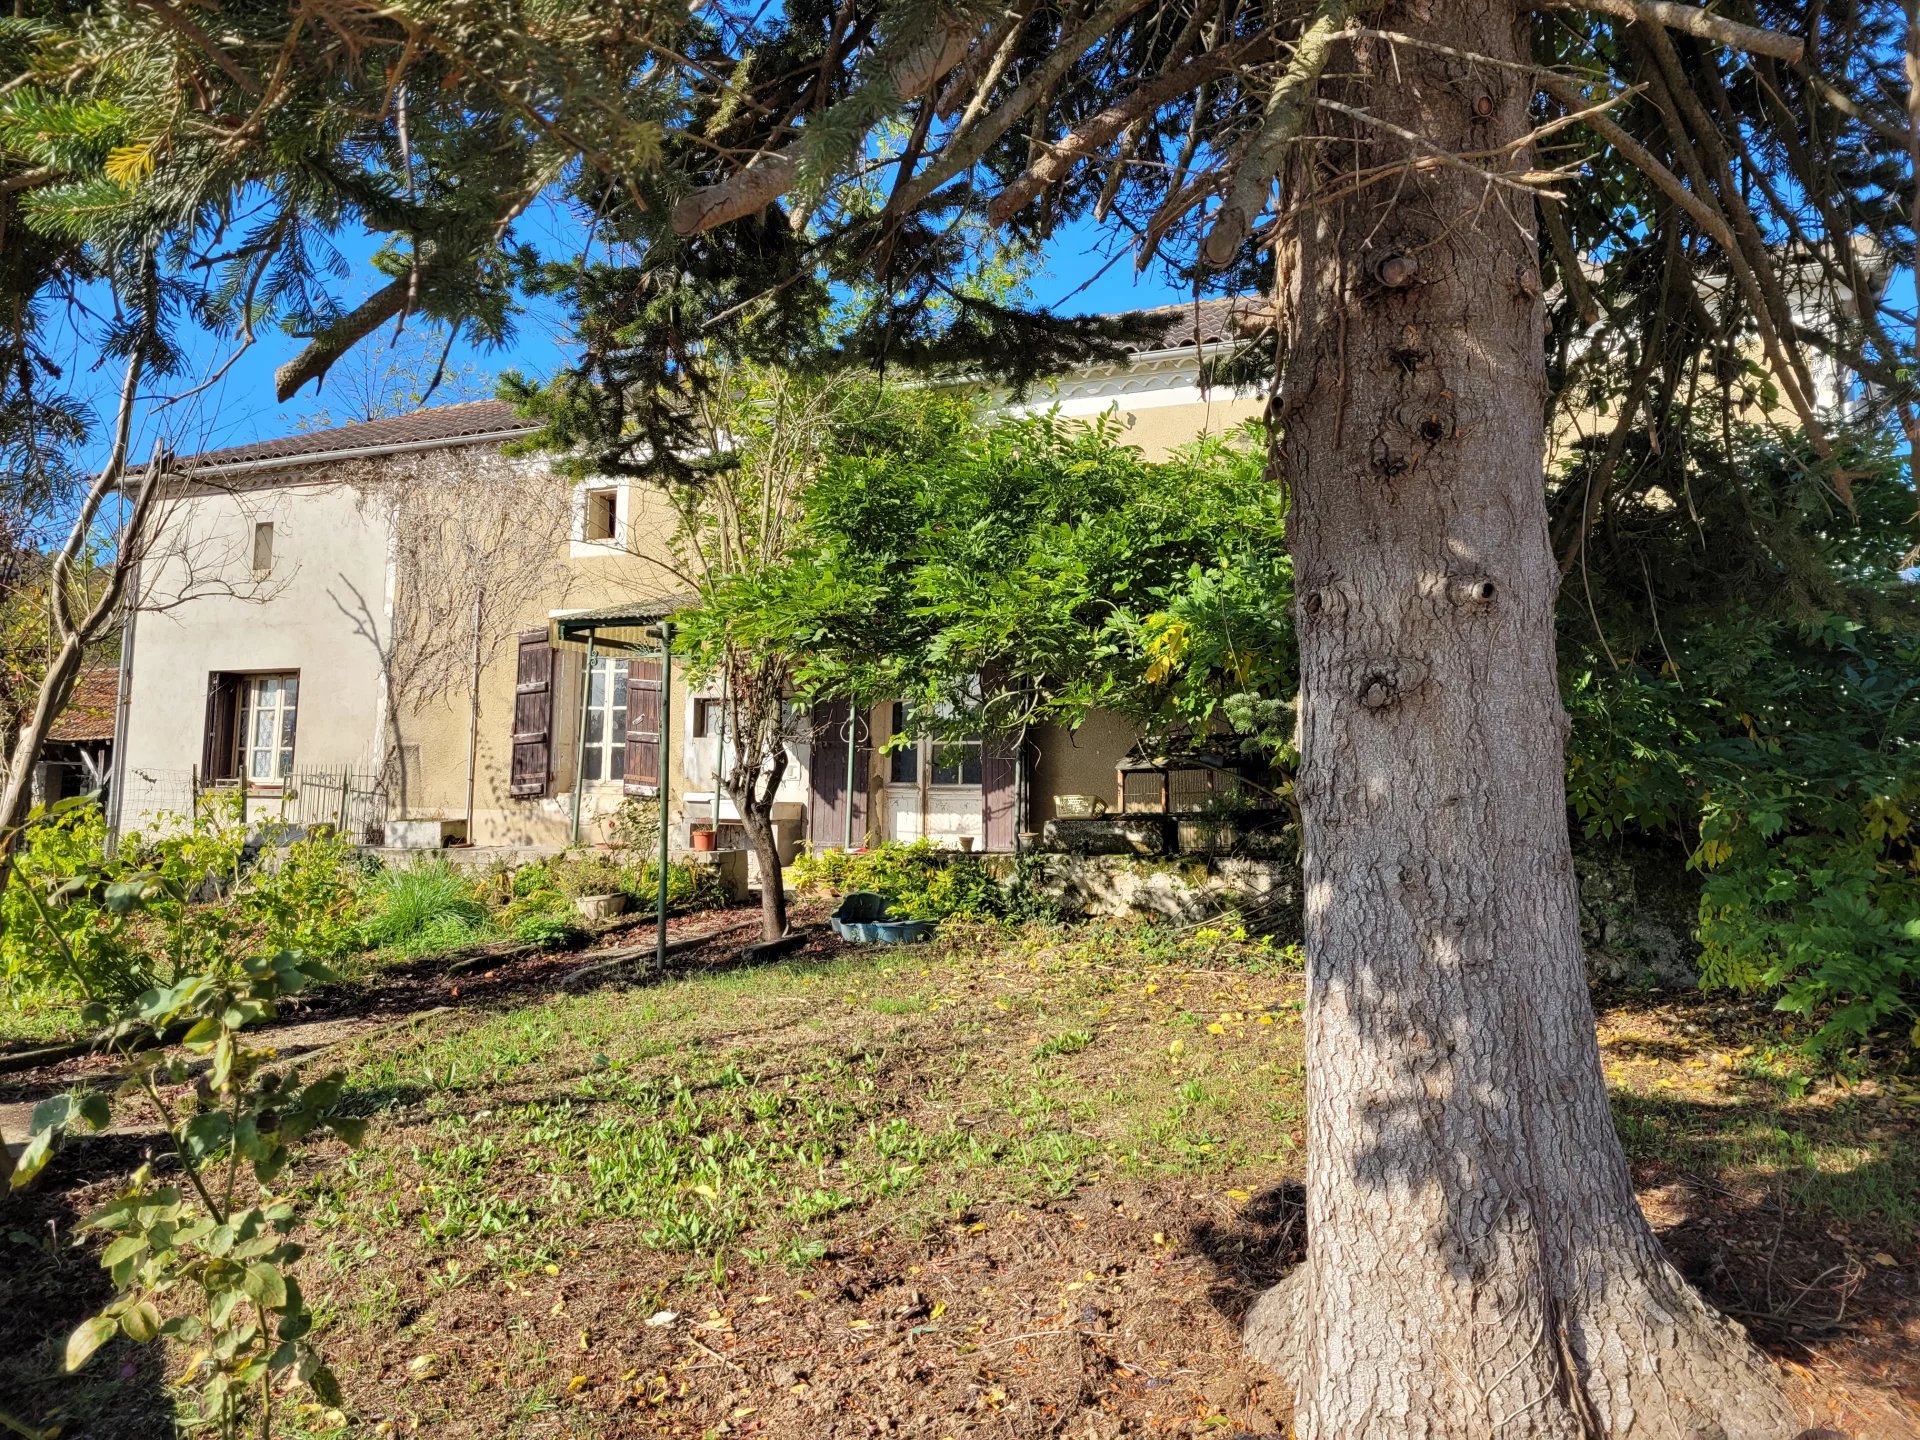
{"x":58,"y":940}
{"x":529,"y":878}
{"x":592,"y":872}
{"x":921,"y":881}
{"x":544,"y":917}
{"x":424,"y":909}
{"x":309,"y":900}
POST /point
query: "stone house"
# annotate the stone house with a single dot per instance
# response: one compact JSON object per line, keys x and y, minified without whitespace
{"x":396,"y":628}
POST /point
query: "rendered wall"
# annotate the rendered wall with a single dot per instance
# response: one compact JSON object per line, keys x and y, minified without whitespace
{"x":323,"y":610}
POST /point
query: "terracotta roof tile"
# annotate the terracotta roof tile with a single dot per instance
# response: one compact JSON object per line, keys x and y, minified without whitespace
{"x":1203,"y":322}
{"x":89,"y":712}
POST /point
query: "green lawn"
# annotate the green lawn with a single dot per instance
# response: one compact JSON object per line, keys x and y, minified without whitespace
{"x":1016,"y":1182}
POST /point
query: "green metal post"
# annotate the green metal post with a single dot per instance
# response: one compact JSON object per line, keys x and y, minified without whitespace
{"x":853,"y":749}
{"x":666,"y":752}
{"x":580,"y":742}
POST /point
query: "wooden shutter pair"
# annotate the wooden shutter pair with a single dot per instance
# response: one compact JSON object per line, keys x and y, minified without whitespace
{"x":532,"y":765}
{"x":643,"y":769}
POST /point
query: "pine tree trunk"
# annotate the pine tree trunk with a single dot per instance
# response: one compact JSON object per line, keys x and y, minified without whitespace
{"x":1477,"y":1264}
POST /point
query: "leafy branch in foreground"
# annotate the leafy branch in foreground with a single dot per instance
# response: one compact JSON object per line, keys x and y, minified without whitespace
{"x":199,"y":1248}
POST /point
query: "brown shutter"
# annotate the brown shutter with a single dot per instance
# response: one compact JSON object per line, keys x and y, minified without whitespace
{"x":532,"y":716}
{"x":998,"y":771}
{"x":827,"y":797}
{"x":217,"y":748}
{"x":643,"y":728}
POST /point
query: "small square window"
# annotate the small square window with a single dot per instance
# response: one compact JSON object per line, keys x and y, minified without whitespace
{"x":263,"y":547}
{"x":706,"y":716}
{"x":603,"y":511}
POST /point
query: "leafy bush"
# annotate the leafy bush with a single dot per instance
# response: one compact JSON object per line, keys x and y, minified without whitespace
{"x":1766,"y":722}
{"x":424,"y":909}
{"x":205,"y":1263}
{"x":921,"y":881}
{"x":543,"y":917}
{"x":70,"y":928}
{"x":59,"y":936}
{"x":634,"y":829}
{"x":309,"y":899}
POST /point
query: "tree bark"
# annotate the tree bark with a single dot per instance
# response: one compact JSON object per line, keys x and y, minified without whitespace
{"x":1477,"y":1264}
{"x":773,"y":888}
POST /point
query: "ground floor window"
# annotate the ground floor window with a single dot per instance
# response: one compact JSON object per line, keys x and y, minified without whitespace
{"x":948,"y":762}
{"x":251,"y":723}
{"x":605,"y":755}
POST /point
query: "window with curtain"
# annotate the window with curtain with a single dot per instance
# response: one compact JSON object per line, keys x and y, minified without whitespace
{"x":269,"y":708}
{"x":605,"y":756}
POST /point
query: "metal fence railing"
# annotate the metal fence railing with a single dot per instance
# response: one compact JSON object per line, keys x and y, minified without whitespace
{"x":351,"y":803}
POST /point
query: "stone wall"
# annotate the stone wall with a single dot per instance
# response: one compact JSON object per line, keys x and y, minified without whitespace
{"x":1637,"y":904}
{"x":1263,"y":892}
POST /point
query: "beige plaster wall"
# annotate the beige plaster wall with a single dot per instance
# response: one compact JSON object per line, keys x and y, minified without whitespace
{"x":322,"y":609}
{"x":1078,"y":762}
{"x":432,"y":738}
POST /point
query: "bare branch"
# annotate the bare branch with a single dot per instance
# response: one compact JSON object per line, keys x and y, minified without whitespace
{"x":1702,"y":24}
{"x":1286,"y":113}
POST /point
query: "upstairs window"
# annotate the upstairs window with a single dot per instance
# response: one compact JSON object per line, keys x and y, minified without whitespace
{"x":603,"y":515}
{"x":263,"y":548}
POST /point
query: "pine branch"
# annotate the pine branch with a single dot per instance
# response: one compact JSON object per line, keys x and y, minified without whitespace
{"x":914,"y":71}
{"x":961,"y":155}
{"x":1288,"y":106}
{"x":1702,"y":24}
{"x":1162,"y":90}
{"x":349,"y":330}
{"x":206,"y":44}
{"x":1702,"y":209}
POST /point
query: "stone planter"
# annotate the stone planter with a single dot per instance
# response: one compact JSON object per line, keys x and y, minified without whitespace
{"x":600,"y":907}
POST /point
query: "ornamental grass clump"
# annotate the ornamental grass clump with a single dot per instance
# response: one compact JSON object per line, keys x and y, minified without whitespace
{"x":425,"y":909}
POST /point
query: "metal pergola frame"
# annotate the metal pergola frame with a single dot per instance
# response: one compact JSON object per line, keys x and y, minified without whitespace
{"x":627,"y":625}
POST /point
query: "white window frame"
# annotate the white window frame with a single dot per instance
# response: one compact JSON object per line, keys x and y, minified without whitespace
{"x":283,"y":705}
{"x":610,"y":754}
{"x":925,"y":751}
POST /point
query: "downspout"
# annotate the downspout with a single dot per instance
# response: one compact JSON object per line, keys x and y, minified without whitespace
{"x":580,"y":738}
{"x":473,"y":712}
{"x":122,"y":708}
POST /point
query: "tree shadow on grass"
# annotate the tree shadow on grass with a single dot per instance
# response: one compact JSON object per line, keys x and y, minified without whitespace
{"x":1751,"y":1206}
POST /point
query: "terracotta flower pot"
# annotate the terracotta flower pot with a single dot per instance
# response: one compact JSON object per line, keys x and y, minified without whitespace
{"x":704,"y":840}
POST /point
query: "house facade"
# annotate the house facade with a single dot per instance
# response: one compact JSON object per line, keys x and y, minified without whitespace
{"x":398,"y":629}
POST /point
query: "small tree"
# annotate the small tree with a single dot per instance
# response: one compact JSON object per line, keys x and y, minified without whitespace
{"x":765,"y":435}
{"x":1011,"y":573}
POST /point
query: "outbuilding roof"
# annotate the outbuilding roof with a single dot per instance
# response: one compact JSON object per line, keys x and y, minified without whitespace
{"x":89,"y":713}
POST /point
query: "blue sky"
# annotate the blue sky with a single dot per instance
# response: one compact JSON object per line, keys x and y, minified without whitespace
{"x":1075,"y":279}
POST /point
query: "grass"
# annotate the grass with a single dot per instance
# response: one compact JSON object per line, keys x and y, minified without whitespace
{"x":898,"y":1182}
{"x":425,"y":908}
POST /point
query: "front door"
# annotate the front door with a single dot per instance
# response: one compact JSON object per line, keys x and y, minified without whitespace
{"x":934,"y":790}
